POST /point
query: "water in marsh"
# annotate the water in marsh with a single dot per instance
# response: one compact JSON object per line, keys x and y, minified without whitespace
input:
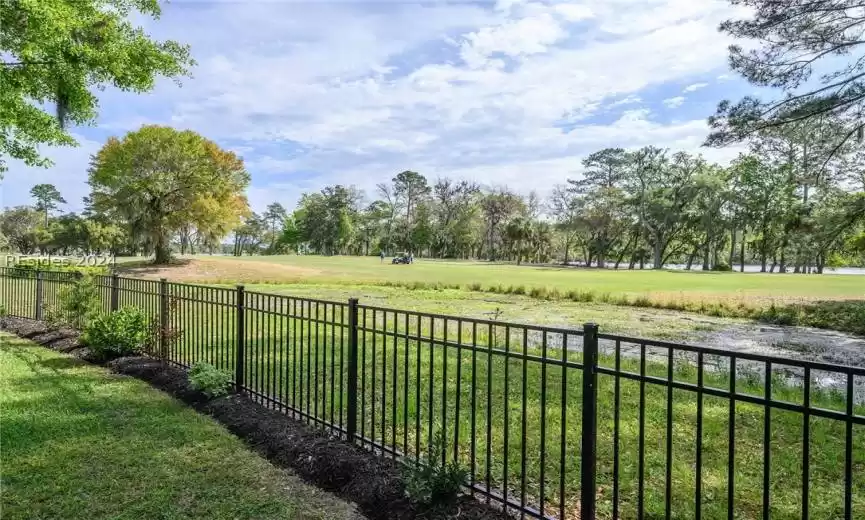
{"x":780,"y":342}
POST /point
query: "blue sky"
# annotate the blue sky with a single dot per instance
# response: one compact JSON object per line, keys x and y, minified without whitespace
{"x":510,"y":93}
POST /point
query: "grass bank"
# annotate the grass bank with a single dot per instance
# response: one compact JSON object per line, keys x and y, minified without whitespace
{"x":81,"y":443}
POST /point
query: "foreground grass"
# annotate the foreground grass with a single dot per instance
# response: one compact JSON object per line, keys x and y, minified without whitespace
{"x":79,"y":442}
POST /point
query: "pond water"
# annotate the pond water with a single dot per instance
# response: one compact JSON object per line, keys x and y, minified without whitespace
{"x":748,"y":268}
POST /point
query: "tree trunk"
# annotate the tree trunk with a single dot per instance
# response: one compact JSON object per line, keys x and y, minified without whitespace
{"x":602,"y":250}
{"x":732,"y":247}
{"x":619,"y":259}
{"x":706,"y":254}
{"x":691,"y":258}
{"x":764,"y":256}
{"x":742,"y":253}
{"x":162,"y":251}
{"x":658,"y":251}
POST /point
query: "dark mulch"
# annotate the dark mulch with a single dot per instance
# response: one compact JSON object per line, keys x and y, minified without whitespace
{"x":374,"y":483}
{"x":63,"y":340}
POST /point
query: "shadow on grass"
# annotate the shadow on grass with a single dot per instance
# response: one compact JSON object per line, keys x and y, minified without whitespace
{"x":79,"y":443}
{"x":56,"y":364}
{"x":144,"y":267}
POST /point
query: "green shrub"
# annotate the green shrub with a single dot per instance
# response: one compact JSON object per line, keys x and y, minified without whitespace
{"x":585,"y":296}
{"x":209,"y":379}
{"x":79,"y":303}
{"x":642,"y":301}
{"x":431,"y":482}
{"x":120,"y":333}
{"x":539,"y":293}
{"x":722,"y":267}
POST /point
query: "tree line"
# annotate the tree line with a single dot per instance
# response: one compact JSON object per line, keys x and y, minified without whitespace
{"x":794,"y":203}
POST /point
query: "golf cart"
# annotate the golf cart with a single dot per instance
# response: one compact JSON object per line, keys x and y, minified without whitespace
{"x":401,"y":258}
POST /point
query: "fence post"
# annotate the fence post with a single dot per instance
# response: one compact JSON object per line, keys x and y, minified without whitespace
{"x":163,"y":319}
{"x":588,"y":464}
{"x":240,"y":356}
{"x":39,"y":292}
{"x":351,"y":427}
{"x":115,"y":292}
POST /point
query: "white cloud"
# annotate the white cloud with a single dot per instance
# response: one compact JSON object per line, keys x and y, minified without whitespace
{"x":695,"y":87}
{"x":318,"y":93}
{"x":574,"y":12}
{"x":674,"y":102}
{"x":627,"y":100}
{"x":68,"y":174}
{"x":523,"y":37}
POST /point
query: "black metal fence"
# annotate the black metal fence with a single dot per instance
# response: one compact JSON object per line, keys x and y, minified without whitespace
{"x":549,"y":422}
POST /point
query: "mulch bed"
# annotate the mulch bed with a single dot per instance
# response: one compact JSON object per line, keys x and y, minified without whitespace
{"x":374,"y":483}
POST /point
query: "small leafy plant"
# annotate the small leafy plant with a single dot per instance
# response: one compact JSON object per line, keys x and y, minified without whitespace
{"x":432,"y":482}
{"x":79,"y":304}
{"x":120,"y":333}
{"x":3,"y":315}
{"x":209,"y":379}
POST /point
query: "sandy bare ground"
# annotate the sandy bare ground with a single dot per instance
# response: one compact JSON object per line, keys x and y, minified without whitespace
{"x":202,"y":270}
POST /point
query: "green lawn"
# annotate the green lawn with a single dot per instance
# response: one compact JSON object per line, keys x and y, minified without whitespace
{"x":416,"y":387}
{"x":410,"y":389}
{"x":695,"y":285}
{"x":79,"y":442}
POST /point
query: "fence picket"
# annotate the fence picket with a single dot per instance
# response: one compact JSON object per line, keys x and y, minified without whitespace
{"x":516,"y":469}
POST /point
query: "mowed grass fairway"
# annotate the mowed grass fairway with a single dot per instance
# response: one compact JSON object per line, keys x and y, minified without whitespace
{"x":693,"y":285}
{"x":635,"y":302}
{"x":81,"y":443}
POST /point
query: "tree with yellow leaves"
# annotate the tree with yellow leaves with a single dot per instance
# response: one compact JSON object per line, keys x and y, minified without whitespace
{"x":157,"y":180}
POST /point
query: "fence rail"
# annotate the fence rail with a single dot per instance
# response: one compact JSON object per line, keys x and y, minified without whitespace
{"x":550,"y":422}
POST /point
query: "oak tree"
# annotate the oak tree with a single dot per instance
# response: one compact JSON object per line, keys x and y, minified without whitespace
{"x":157,"y":180}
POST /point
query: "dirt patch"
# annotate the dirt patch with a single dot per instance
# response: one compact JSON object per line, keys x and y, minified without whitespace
{"x":223,"y":270}
{"x":373,"y":483}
